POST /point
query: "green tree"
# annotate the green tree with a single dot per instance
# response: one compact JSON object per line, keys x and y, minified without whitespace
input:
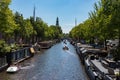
{"x":7,"y":23}
{"x":19,"y":22}
{"x":27,"y":30}
{"x":103,"y":23}
{"x":53,"y":32}
{"x":39,"y":27}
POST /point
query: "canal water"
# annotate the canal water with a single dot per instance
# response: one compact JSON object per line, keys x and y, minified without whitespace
{"x":51,"y":64}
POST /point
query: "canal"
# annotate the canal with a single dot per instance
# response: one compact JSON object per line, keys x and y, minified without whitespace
{"x":51,"y":64}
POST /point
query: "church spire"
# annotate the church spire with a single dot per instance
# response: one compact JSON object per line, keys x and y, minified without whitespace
{"x":34,"y":13}
{"x":75,"y":22}
{"x":57,"y":21}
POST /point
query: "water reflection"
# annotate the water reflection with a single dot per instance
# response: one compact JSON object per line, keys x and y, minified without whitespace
{"x":28,"y":66}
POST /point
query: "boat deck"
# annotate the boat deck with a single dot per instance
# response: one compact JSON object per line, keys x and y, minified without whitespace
{"x":99,"y":66}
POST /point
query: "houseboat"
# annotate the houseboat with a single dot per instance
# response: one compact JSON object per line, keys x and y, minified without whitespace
{"x":3,"y":62}
{"x":99,"y":69}
{"x":45,"y":44}
{"x":19,"y":55}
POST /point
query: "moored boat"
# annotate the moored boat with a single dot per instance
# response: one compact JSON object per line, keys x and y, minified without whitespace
{"x":45,"y":44}
{"x":12,"y":69}
{"x":103,"y":69}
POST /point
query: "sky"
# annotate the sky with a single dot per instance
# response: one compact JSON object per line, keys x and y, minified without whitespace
{"x":66,"y":10}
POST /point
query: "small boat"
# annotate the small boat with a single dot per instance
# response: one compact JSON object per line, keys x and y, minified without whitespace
{"x":65,"y":48}
{"x":12,"y":69}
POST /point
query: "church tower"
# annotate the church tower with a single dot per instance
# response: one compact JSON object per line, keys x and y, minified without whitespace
{"x":57,"y":21}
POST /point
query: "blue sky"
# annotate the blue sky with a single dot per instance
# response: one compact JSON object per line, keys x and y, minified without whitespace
{"x":49,"y":10}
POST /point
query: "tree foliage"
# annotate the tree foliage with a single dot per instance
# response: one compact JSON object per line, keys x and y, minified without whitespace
{"x":53,"y":32}
{"x":103,"y":22}
{"x":7,"y":23}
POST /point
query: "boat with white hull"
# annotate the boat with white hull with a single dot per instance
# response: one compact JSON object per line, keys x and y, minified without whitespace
{"x":12,"y":69}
